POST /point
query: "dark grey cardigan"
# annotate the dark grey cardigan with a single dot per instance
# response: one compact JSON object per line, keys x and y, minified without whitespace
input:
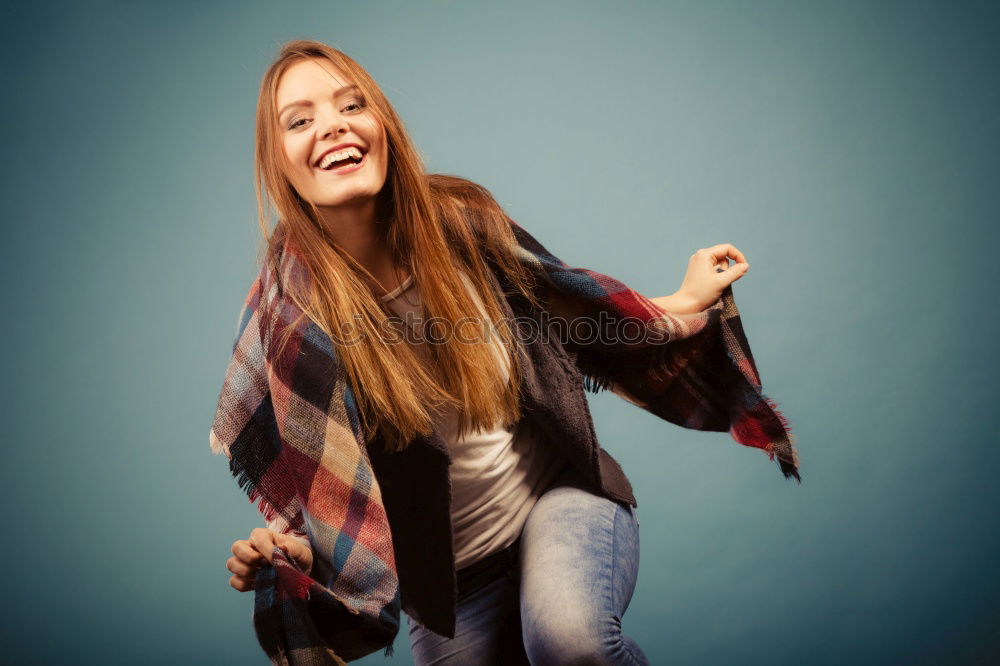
{"x":416,"y":486}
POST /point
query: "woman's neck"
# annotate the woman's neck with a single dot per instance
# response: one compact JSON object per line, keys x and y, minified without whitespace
{"x":355,"y":230}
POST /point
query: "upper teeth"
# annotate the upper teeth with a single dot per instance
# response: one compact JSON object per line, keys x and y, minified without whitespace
{"x":330,"y":158}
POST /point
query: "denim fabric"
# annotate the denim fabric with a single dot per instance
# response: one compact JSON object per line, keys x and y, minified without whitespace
{"x":563,"y":603}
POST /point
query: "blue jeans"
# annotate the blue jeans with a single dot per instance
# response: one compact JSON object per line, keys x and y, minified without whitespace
{"x":563,"y":604}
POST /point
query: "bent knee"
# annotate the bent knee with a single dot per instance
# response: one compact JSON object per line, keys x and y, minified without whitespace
{"x":572,"y":638}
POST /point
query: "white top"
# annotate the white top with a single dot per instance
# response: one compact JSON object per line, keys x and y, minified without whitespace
{"x":497,"y":475}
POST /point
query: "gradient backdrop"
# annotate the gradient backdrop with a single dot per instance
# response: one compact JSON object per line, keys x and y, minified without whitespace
{"x":849,"y":149}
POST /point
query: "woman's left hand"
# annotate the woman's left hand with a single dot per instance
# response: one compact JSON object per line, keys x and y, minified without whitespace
{"x":703,"y":283}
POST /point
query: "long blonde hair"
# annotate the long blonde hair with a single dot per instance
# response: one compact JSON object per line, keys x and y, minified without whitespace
{"x":436,"y":225}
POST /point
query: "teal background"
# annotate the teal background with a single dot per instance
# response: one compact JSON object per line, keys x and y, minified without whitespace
{"x":849,"y":149}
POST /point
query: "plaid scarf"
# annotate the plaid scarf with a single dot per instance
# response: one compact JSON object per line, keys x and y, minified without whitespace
{"x":289,"y":425}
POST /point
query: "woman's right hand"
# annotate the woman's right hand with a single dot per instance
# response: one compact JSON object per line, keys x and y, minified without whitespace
{"x":709,"y":273}
{"x":249,"y":555}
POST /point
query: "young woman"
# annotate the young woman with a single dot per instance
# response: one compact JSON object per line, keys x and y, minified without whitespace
{"x":545,"y":557}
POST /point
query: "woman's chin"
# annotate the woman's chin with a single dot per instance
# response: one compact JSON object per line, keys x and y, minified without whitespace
{"x":353,"y":199}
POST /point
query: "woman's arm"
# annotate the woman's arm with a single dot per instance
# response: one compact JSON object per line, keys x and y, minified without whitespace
{"x":694,"y":370}
{"x":708,"y":274}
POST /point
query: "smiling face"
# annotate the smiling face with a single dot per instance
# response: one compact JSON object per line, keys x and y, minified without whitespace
{"x":323,"y":121}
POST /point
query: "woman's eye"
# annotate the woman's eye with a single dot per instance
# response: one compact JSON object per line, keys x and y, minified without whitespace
{"x":295,"y":123}
{"x":354,"y":105}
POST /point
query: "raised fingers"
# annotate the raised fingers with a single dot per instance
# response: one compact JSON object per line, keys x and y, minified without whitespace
{"x":722,"y":251}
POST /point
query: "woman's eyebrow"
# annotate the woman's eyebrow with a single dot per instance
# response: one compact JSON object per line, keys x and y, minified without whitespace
{"x":306,"y":102}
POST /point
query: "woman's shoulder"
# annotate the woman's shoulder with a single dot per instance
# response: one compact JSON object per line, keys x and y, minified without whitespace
{"x":282,"y":265}
{"x":277,"y":266}
{"x":461,"y":190}
{"x":475,"y":201}
{"x":466,"y":207}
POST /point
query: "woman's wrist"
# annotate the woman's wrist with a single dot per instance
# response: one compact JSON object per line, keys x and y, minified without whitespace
{"x":677,"y":302}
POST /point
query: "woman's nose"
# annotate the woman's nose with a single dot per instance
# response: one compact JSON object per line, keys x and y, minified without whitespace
{"x":335,"y":124}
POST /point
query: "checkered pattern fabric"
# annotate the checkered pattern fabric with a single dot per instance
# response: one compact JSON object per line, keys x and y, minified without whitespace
{"x":694,"y":370}
{"x":289,"y":425}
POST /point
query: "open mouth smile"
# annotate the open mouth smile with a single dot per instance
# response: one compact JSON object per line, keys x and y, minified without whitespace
{"x":348,"y":160}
